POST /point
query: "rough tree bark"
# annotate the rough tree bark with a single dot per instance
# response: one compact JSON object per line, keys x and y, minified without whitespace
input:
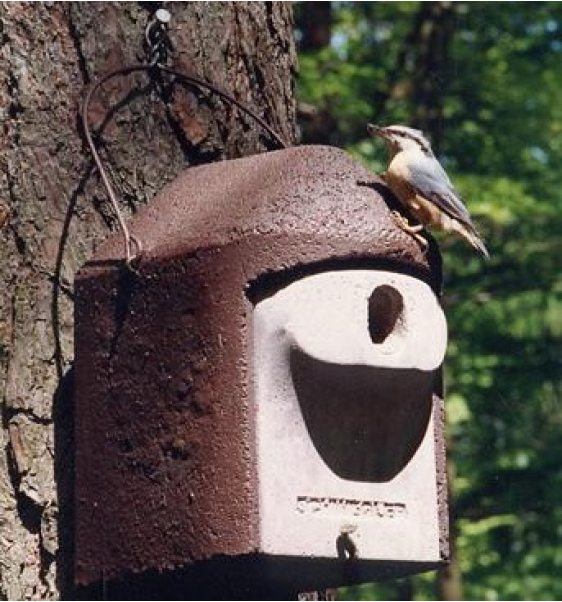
{"x":54,"y":210}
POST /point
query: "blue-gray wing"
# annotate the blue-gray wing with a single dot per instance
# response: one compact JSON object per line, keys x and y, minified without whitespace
{"x":431,"y":182}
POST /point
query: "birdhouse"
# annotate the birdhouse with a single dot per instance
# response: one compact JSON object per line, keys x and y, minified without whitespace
{"x":263,"y":389}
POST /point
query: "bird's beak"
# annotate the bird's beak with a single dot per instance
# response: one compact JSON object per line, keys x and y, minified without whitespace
{"x":375,"y":130}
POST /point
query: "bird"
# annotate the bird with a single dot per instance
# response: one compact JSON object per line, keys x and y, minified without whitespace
{"x":420,"y":183}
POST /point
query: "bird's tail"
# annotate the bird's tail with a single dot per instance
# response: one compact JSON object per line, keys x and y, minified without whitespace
{"x":476,"y":241}
{"x":469,"y":232}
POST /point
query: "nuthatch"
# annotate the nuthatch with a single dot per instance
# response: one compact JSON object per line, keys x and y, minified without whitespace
{"x":416,"y":177}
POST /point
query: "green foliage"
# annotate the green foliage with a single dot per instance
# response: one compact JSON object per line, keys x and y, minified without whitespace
{"x":501,"y":95}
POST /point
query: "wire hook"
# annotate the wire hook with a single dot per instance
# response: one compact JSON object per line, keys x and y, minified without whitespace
{"x":156,"y":38}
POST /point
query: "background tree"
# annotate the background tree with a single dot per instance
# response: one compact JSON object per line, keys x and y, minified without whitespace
{"x":54,"y":211}
{"x":484,"y":80}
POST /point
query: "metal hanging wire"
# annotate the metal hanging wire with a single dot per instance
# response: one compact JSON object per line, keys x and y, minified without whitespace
{"x":157,"y":47}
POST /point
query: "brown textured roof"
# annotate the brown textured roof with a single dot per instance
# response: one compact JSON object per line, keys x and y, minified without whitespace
{"x":309,"y":194}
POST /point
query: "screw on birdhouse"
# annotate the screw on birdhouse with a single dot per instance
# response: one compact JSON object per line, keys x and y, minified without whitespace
{"x":346,"y":548}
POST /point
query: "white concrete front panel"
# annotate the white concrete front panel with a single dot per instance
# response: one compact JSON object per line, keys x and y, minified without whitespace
{"x":344,"y":424}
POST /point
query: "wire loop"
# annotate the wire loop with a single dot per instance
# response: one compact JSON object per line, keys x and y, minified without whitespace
{"x":133,"y":246}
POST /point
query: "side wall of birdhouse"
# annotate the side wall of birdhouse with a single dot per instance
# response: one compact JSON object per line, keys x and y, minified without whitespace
{"x":164,"y":457}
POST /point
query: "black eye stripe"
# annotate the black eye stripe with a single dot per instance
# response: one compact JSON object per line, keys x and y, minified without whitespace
{"x":424,"y":146}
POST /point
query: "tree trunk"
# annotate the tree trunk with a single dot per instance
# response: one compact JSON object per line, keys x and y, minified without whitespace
{"x":54,"y":211}
{"x":421,"y":73}
{"x":315,"y":25}
{"x":432,"y":68}
{"x":449,"y":579}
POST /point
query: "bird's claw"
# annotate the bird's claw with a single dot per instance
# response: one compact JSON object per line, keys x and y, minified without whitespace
{"x":413,"y":231}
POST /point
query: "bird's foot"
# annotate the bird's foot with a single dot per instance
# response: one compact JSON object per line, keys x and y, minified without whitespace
{"x":413,"y":231}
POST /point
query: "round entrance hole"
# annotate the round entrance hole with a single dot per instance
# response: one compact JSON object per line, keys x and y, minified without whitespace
{"x":386,"y":307}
